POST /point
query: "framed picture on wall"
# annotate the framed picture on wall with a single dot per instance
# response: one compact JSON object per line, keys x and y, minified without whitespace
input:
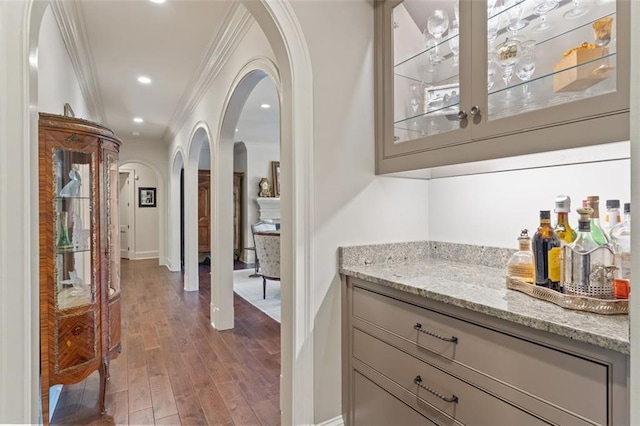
{"x":275,"y":171}
{"x":146,"y":197}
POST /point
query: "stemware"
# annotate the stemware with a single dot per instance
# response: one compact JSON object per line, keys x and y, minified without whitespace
{"x":454,"y":42}
{"x":516,"y":14}
{"x":541,"y":9}
{"x":491,"y":72}
{"x":579,"y":9}
{"x":602,"y":33}
{"x":415,"y":97}
{"x":430,"y":44}
{"x":437,"y":25}
{"x":507,"y":57}
{"x":525,"y":69}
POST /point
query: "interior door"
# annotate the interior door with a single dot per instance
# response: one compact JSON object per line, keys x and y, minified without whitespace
{"x":125,"y":228}
{"x":204,"y":207}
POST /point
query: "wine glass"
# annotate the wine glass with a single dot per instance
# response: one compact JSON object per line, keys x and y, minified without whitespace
{"x":602,"y":33}
{"x":415,"y":97}
{"x":525,"y":69}
{"x":516,"y":14}
{"x":491,"y":72}
{"x":437,"y":25}
{"x":430,"y":45}
{"x":576,"y":11}
{"x":541,"y":9}
{"x":507,"y":57}
{"x":494,"y":20}
{"x":454,"y":42}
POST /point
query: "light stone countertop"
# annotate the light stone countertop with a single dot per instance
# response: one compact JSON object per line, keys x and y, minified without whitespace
{"x":481,"y":289}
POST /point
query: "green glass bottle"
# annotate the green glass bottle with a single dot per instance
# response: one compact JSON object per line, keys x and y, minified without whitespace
{"x":599,"y":236}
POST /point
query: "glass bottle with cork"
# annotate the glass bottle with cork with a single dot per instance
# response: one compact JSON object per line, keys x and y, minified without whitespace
{"x":546,"y":254}
{"x":599,"y":236}
{"x":520,"y":265}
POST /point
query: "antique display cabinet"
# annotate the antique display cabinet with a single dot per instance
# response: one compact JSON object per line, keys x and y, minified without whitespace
{"x":79,"y":252}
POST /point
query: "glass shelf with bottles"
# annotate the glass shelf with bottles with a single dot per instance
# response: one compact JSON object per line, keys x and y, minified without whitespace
{"x":548,"y":52}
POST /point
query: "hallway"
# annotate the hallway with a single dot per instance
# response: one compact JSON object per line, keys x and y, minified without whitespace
{"x":174,"y":368}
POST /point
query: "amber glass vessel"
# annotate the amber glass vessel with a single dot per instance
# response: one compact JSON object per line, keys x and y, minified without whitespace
{"x":546,"y":253}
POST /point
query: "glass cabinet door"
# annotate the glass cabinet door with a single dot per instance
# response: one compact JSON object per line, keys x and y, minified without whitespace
{"x":543,"y":53}
{"x":74,"y":241}
{"x":113,"y":225}
{"x":426,"y":57}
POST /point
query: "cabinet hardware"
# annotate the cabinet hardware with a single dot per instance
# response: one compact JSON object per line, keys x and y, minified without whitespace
{"x":475,"y":110}
{"x":462,"y":115}
{"x":452,"y":339}
{"x":452,"y":398}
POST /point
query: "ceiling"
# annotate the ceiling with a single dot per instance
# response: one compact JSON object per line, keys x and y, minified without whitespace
{"x":178,"y":44}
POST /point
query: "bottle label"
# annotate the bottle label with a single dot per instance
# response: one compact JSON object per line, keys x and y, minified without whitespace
{"x":554,"y":264}
{"x":612,"y":218}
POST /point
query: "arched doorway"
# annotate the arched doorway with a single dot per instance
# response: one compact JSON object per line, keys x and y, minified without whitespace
{"x":176,"y":221}
{"x":279,"y":22}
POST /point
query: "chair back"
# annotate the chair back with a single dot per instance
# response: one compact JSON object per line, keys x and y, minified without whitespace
{"x":268,"y":251}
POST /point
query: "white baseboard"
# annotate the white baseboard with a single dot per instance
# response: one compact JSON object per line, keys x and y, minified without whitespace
{"x":139,"y":255}
{"x":336,"y":421}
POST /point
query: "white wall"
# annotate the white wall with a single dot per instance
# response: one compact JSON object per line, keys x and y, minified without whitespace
{"x":146,"y":241}
{"x":351,"y":205}
{"x":57,"y":81}
{"x":153,"y":155}
{"x":491,"y":209}
{"x":204,"y":162}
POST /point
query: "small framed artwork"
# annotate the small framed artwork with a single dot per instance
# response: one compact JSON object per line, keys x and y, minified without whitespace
{"x":68,"y":112}
{"x":275,"y":171}
{"x":146,"y":197}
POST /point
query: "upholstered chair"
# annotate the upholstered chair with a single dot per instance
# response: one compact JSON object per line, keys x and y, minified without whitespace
{"x":268,"y":251}
{"x":262,"y":226}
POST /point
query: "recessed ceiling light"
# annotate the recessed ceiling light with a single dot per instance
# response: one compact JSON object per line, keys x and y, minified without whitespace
{"x":144,"y":79}
{"x":138,"y":120}
{"x":265,"y":106}
{"x":136,"y":133}
{"x":236,"y":130}
{"x":157,"y":1}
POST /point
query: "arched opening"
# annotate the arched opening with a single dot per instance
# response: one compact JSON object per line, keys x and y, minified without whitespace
{"x":278,"y":21}
{"x":199,"y":139}
{"x":176,"y":213}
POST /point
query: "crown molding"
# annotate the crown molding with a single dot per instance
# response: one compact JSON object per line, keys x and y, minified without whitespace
{"x":69,"y":16}
{"x":236,"y":23}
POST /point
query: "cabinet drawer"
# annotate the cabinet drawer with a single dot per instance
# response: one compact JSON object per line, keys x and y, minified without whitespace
{"x":471,"y":405}
{"x":571,"y":382}
{"x":374,"y":406}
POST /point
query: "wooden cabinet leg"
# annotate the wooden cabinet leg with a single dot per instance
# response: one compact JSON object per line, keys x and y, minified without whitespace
{"x":104,"y":375}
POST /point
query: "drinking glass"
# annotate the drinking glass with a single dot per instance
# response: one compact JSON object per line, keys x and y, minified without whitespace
{"x":415,"y":97}
{"x":516,"y":14}
{"x":454,"y":42}
{"x":430,"y":44}
{"x":541,"y":9}
{"x":525,"y":69}
{"x":491,"y":72}
{"x":507,"y":57}
{"x":576,"y":11}
{"x":602,"y":33}
{"x":437,"y":25}
{"x":494,"y":20}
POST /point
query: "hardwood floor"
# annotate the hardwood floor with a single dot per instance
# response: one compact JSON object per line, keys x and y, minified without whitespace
{"x":174,"y":368}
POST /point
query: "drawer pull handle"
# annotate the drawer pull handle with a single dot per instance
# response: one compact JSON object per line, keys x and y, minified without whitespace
{"x":452,"y":339}
{"x":77,"y":330}
{"x":452,"y":398}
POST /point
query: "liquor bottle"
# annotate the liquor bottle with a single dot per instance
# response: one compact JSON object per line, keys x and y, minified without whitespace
{"x":621,"y":240}
{"x":520,"y":265}
{"x":599,"y":236}
{"x":585,"y":240}
{"x":546,"y":253}
{"x":563,"y":230}
{"x":612,"y":217}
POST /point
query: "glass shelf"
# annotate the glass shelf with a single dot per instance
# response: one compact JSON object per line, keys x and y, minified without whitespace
{"x":72,"y":250}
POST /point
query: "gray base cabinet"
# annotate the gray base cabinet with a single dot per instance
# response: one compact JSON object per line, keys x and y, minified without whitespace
{"x":410,"y":360}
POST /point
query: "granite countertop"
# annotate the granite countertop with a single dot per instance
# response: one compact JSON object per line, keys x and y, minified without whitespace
{"x":435,"y":271}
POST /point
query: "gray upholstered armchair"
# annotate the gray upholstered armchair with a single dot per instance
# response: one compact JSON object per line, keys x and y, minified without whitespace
{"x":261,"y":226}
{"x":268,"y":251}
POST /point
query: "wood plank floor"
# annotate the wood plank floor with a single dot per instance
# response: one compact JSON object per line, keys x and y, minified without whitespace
{"x":174,"y":368}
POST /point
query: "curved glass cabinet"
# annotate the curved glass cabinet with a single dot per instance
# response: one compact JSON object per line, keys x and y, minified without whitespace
{"x":79,"y":258}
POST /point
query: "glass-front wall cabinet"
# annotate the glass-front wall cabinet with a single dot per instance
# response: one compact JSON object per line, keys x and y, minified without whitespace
{"x":452,"y":72}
